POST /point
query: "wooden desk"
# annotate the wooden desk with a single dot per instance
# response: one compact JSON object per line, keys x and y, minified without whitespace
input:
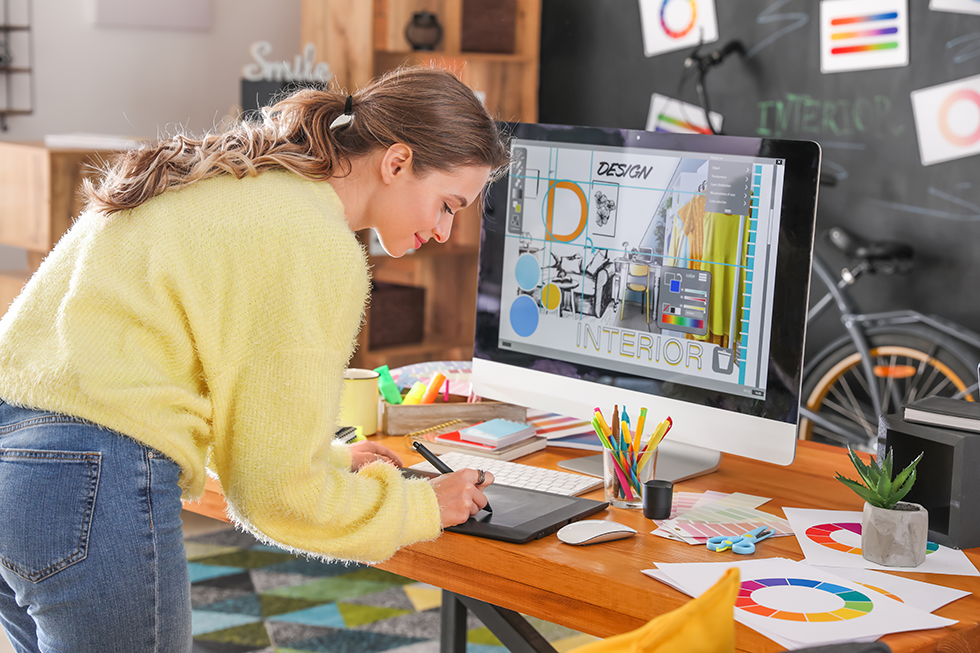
{"x":599,"y":590}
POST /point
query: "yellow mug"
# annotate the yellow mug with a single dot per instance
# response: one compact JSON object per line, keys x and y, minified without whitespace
{"x":359,"y":403}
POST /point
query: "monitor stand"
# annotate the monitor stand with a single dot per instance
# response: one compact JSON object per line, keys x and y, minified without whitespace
{"x":676,"y":462}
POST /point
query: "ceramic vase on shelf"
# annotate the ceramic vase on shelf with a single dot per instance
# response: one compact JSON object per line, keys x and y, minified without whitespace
{"x":424,"y":31}
{"x":895,"y":538}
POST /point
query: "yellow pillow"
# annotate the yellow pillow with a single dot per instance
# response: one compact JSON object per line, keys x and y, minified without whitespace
{"x":703,"y":625}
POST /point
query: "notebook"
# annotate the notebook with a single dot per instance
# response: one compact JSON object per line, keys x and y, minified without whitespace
{"x":521,"y":515}
{"x":496,"y":432}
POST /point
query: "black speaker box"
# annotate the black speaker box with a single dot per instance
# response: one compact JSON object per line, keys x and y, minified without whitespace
{"x":947,"y":478}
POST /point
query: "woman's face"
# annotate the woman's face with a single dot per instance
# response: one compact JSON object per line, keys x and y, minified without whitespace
{"x":415,"y":209}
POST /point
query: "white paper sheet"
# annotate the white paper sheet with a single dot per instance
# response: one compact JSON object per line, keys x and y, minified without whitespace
{"x":863,"y":34}
{"x":843,"y":548}
{"x":669,"y":25}
{"x":678,"y":117}
{"x":792,"y":602}
{"x":924,"y":596}
{"x":947,"y":119}
{"x":958,"y":6}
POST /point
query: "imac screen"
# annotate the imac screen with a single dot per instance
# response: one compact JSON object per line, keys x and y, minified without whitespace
{"x":676,"y":266}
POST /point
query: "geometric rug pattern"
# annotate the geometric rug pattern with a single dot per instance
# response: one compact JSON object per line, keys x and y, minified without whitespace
{"x":251,"y":598}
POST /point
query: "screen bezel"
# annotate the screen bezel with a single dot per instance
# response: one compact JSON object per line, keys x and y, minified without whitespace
{"x":791,"y":292}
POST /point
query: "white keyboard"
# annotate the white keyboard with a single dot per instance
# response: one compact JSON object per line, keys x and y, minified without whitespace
{"x":518,"y":475}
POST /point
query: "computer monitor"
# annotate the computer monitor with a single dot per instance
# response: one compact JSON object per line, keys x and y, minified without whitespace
{"x":657,"y":270}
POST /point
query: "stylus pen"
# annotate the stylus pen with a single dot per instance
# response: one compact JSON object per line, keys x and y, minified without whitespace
{"x":440,"y":466}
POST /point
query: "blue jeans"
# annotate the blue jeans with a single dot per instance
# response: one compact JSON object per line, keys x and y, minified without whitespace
{"x":91,"y":549}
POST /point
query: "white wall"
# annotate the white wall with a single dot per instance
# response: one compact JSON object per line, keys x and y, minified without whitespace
{"x":138,"y":82}
{"x":142,"y":82}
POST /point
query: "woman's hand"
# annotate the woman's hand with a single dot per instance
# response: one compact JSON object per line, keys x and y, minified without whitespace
{"x":367,"y":451}
{"x":459,"y":496}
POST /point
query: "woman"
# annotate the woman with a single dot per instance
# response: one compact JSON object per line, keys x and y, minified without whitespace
{"x":200,"y":315}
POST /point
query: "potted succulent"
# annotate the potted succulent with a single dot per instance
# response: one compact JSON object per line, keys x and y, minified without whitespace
{"x":894,"y":533}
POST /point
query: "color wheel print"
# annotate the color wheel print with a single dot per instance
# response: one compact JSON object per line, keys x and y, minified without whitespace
{"x":855,"y":604}
{"x":822,"y":534}
{"x":674,"y":30}
{"x":881,"y":591}
{"x":962,"y":95}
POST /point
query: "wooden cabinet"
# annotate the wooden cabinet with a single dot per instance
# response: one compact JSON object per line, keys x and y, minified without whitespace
{"x":363,"y":38}
{"x":39,"y":198}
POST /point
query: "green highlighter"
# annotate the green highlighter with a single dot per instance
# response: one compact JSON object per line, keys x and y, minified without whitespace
{"x":387,"y":387}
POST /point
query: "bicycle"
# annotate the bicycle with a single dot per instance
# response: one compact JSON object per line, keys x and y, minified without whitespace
{"x":886,"y":359}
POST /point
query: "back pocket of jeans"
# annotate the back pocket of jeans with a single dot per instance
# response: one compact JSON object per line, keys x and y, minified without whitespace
{"x":46,"y":511}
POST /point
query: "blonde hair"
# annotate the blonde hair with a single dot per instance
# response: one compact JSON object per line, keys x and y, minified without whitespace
{"x":428,"y":109}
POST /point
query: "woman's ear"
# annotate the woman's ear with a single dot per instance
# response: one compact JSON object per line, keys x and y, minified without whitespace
{"x":396,"y":162}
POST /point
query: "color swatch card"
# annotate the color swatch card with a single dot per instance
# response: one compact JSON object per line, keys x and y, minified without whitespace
{"x":563,"y":431}
{"x":947,"y":119}
{"x":729,"y":515}
{"x":669,"y":25}
{"x":924,"y":596}
{"x":863,"y":34}
{"x":677,"y":117}
{"x":832,"y":538}
{"x":795,"y":604}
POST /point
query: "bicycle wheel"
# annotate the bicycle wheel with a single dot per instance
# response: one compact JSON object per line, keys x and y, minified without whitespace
{"x":907,"y":366}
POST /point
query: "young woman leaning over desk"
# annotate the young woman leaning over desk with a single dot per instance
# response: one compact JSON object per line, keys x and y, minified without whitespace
{"x":199,"y":315}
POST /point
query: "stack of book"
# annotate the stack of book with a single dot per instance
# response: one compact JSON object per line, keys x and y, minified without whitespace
{"x":496,"y":438}
{"x":945,"y":411}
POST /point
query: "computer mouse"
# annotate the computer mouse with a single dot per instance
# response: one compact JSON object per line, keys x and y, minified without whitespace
{"x":593,"y":531}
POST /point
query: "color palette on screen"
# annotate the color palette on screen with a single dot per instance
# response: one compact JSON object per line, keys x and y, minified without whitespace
{"x":680,"y":320}
{"x":854,"y":603}
{"x":822,"y":534}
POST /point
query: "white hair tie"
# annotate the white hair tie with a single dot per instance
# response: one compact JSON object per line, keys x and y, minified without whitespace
{"x":346,"y":117}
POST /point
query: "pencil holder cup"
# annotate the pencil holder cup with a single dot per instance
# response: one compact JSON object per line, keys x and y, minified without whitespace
{"x":623,"y":479}
{"x":359,"y":404}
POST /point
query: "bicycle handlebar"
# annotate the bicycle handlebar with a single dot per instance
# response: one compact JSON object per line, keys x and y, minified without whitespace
{"x":705,"y":62}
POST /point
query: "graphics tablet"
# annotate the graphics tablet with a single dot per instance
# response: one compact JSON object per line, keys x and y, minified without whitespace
{"x":521,"y":515}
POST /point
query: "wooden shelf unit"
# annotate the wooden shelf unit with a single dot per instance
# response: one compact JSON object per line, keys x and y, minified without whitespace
{"x":39,"y":198}
{"x":17,"y":73}
{"x":360,"y":39}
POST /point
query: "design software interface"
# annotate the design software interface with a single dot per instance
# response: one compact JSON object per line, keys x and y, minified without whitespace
{"x":656,"y":263}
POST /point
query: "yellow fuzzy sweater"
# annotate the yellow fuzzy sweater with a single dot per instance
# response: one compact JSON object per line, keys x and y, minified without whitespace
{"x":214,"y":324}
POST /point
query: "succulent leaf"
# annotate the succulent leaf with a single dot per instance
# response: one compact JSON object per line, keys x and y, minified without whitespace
{"x":884,"y":487}
{"x":900,"y":479}
{"x":888,"y":464}
{"x":900,"y":494}
{"x":867,"y":473}
{"x":860,"y":490}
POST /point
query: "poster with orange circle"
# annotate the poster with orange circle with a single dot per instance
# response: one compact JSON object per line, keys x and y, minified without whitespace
{"x":947,"y":120}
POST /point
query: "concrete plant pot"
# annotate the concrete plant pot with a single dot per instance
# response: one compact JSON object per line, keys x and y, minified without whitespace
{"x":895,"y":538}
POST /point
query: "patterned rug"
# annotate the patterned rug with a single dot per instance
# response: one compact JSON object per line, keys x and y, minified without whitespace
{"x":248,"y":597}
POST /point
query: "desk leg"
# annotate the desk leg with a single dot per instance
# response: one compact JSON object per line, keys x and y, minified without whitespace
{"x":513,"y":630}
{"x":452,"y":624}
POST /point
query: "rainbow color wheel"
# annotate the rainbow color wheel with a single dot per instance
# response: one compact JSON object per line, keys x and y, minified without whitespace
{"x":856,"y":604}
{"x":822,"y":535}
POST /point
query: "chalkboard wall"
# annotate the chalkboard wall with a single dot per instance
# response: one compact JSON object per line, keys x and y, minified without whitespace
{"x":594,"y":72}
